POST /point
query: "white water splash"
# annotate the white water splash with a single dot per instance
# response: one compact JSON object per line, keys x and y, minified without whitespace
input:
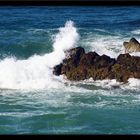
{"x":136,"y":32}
{"x":36,"y":72}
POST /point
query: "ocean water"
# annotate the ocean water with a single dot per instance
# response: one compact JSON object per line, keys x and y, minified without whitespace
{"x":34,"y":101}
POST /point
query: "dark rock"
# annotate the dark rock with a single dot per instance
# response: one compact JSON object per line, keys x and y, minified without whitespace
{"x":79,"y":73}
{"x":119,"y":73}
{"x":126,"y":67}
{"x":88,"y":59}
{"x":75,"y":52}
{"x":71,"y":61}
{"x":73,"y":56}
{"x":104,"y":61}
{"x":79,"y":65}
{"x":57,"y":70}
{"x":129,"y":62}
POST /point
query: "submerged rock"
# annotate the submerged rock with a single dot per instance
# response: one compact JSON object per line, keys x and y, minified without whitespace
{"x":79,"y":65}
{"x":132,"y":46}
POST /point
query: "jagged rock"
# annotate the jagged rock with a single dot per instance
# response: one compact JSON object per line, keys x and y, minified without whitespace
{"x":104,"y":61}
{"x":75,"y":53}
{"x":88,"y":59}
{"x":126,"y":67}
{"x":72,"y":60}
{"x":119,"y":73}
{"x":129,"y":62}
{"x":79,"y":65}
{"x":132,"y":46}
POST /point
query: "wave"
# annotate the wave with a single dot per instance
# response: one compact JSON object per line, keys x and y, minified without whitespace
{"x":109,"y":45}
{"x":36,"y":71}
{"x":136,"y":32}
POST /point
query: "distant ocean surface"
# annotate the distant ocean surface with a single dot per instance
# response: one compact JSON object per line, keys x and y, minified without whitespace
{"x":34,"y":101}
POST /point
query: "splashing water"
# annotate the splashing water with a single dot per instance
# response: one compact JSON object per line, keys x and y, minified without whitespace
{"x":36,"y":72}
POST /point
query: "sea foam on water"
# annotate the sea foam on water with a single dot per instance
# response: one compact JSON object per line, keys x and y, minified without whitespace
{"x":36,"y":71}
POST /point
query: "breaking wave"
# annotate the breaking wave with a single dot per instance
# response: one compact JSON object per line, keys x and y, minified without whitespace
{"x":36,"y":71}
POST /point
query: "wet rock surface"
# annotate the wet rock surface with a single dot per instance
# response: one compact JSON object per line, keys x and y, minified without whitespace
{"x":132,"y":46}
{"x":79,"y":65}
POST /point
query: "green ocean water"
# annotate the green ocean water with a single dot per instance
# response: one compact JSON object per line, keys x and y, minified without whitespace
{"x":34,"y":101}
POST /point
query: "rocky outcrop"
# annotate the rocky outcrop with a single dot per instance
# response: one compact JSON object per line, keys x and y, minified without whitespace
{"x":132,"y":46}
{"x":79,"y":65}
{"x":126,"y":67}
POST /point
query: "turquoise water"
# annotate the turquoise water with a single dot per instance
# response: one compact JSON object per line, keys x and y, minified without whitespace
{"x":34,"y":101}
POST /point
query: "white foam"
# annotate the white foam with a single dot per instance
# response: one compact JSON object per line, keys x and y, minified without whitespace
{"x":135,"y":54}
{"x":133,"y":82}
{"x":106,"y":83}
{"x":136,"y":32}
{"x":109,"y":45}
{"x":36,"y":72}
{"x":67,"y":37}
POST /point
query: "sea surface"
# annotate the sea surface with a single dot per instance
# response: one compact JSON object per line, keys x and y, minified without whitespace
{"x":33,"y":41}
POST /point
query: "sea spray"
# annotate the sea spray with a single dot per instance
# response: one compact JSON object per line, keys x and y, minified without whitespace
{"x":36,"y":71}
{"x":67,"y":37}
